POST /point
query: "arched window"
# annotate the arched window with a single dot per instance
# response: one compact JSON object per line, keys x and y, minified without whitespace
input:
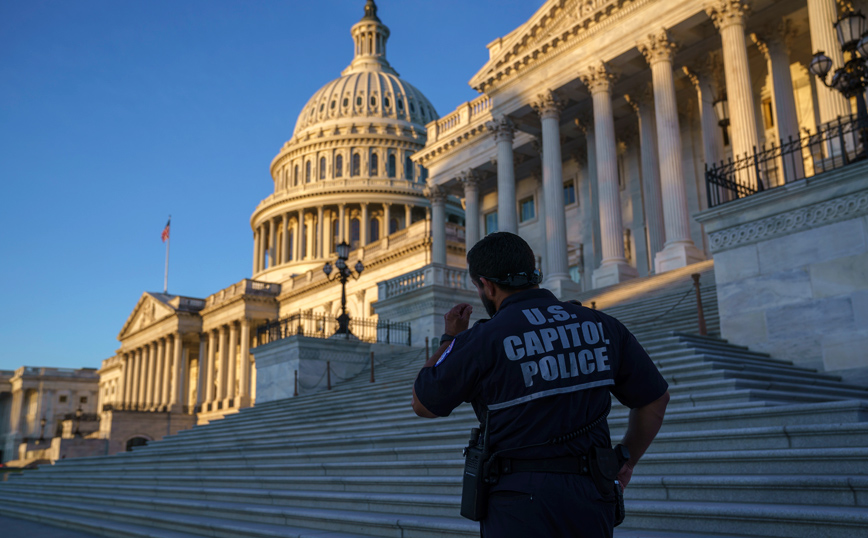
{"x":375,"y":164}
{"x":307,"y":172}
{"x":295,"y":176}
{"x":339,"y":166}
{"x":357,"y":165}
{"x":391,"y":166}
{"x":354,"y":233}
{"x":374,"y":226}
{"x":408,"y":168}
{"x":393,"y":225}
{"x":322,"y":167}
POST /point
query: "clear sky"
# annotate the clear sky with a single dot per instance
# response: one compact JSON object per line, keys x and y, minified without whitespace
{"x":116,"y":114}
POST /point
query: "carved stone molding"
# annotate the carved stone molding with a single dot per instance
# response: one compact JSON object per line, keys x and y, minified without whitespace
{"x":823,"y":213}
{"x":436,"y":194}
{"x":773,"y":35}
{"x":725,"y":13}
{"x":469,"y":178}
{"x":548,"y":104}
{"x":599,"y":78}
{"x":584,"y":121}
{"x":502,"y":127}
{"x":657,"y":47}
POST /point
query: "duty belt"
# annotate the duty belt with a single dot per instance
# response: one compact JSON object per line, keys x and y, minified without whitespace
{"x":563,"y":465}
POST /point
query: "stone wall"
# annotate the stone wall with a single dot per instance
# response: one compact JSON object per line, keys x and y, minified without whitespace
{"x":153,"y":426}
{"x":791,"y":266}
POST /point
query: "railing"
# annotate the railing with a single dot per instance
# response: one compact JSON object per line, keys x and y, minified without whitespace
{"x":246,"y":286}
{"x":464,"y":115}
{"x":323,"y":326}
{"x":837,"y":144}
{"x":429,"y":275}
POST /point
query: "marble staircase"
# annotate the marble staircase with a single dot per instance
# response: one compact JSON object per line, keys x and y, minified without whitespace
{"x":751,"y":447}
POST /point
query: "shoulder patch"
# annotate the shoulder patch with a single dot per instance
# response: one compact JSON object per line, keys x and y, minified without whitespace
{"x":445,"y":353}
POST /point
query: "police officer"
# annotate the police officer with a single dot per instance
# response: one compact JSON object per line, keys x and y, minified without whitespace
{"x":537,"y":370}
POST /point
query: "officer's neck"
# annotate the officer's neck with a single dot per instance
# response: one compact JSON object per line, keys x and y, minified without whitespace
{"x":502,"y":293}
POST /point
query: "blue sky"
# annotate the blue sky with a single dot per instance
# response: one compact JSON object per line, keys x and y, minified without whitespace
{"x":116,"y":114}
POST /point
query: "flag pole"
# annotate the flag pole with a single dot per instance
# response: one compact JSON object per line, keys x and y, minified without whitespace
{"x":168,"y":240}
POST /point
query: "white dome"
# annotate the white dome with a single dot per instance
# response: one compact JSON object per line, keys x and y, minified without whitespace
{"x":365,"y":94}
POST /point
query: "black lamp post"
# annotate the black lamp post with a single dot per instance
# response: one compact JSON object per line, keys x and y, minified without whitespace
{"x":344,"y":273}
{"x":78,"y":414}
{"x":41,"y":431}
{"x":721,"y":110}
{"x":851,"y":79}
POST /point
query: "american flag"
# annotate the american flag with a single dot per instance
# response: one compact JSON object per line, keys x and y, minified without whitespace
{"x":165,"y":235}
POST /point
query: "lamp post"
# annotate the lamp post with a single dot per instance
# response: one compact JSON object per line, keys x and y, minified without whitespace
{"x":41,"y":431}
{"x":721,"y":110}
{"x":851,"y":79}
{"x":78,"y":414}
{"x":344,"y":273}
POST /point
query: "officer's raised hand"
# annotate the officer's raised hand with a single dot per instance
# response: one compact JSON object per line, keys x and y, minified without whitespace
{"x":458,"y":318}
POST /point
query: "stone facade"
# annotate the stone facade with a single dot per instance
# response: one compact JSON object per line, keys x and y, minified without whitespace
{"x":791,"y":266}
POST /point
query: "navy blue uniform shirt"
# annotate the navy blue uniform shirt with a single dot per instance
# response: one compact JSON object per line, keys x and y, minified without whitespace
{"x":543,"y":368}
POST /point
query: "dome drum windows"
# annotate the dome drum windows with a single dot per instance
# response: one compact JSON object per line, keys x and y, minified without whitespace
{"x":390,"y":167}
{"x":322,"y":167}
{"x":373,"y":100}
{"x":375,"y":165}
{"x":307,"y":172}
{"x":356,"y":165}
{"x":339,"y":166}
{"x":387,"y":102}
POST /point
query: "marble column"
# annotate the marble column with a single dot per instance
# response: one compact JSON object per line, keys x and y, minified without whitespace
{"x":137,"y":377}
{"x":255,"y":251}
{"x":408,"y":215}
{"x":471,"y":208}
{"x":210,"y":358}
{"x":158,"y":373}
{"x":309,"y":234}
{"x":614,"y":267}
{"x":231,"y":374}
{"x":648,"y":151}
{"x":167,"y":374}
{"x":176,"y":397}
{"x":712,"y":145}
{"x":507,"y":213}
{"x":128,"y":377}
{"x":284,"y":229}
{"x":729,"y":18}
{"x":387,"y":217}
{"x":244,"y":374}
{"x":223,"y":363}
{"x":822,"y":15}
{"x":296,"y":236}
{"x":591,"y":234}
{"x":272,"y":253}
{"x":363,"y":225}
{"x":152,"y":375}
{"x":773,"y":44}
{"x":342,"y":209}
{"x":202,"y":381}
{"x":321,"y":237}
{"x":548,"y":106}
{"x":437,"y":196}
{"x":147,"y":378}
{"x":679,"y":250}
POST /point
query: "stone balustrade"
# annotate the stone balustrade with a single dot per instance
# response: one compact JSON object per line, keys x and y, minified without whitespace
{"x":430,"y":275}
{"x":475,"y":111}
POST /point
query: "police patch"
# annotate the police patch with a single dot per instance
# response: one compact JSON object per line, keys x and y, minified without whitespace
{"x":445,"y":353}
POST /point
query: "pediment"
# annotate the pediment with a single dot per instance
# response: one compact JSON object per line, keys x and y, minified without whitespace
{"x":150,"y":309}
{"x":554,"y":23}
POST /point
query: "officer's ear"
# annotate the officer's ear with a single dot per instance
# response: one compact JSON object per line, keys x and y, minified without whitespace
{"x":489,"y":288}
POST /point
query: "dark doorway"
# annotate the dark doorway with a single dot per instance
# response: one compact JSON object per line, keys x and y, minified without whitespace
{"x":136,"y":441}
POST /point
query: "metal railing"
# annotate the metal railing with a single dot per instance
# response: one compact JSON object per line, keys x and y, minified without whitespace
{"x":323,"y":326}
{"x":837,"y":144}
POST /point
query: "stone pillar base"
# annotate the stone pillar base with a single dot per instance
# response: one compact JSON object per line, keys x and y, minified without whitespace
{"x":563,"y":288}
{"x":242,"y":402}
{"x":675,"y":256}
{"x":612,"y":273}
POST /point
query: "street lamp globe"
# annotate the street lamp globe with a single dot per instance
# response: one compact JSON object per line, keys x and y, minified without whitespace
{"x":721,"y":110}
{"x":862,"y":47}
{"x":343,"y":250}
{"x":359,"y":267}
{"x":850,"y":28}
{"x":327,"y":269}
{"x":820,"y":65}
{"x":341,"y":264}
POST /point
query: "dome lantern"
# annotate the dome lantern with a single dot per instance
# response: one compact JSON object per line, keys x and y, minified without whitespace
{"x":370,"y":36}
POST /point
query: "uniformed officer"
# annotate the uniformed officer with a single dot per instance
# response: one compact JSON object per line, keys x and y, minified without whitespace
{"x":541,"y":368}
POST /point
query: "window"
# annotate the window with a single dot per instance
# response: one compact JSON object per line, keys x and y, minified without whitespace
{"x":575,"y":274}
{"x":768,"y":114}
{"x":303,"y":238}
{"x":391,"y":167}
{"x":63,"y":398}
{"x":307,"y":172}
{"x":295,"y":179}
{"x":526,"y":209}
{"x":357,"y":165}
{"x":408,"y":168}
{"x":412,"y":107}
{"x":339,"y":166}
{"x":400,"y":105}
{"x":423,"y":174}
{"x":332,"y":106}
{"x":569,"y":193}
{"x":354,"y":233}
{"x":291,"y":245}
{"x":336,"y":228}
{"x":374,"y":226}
{"x":359,"y":101}
{"x":322,"y":107}
{"x":375,"y":164}
{"x":490,"y":222}
{"x":83,"y":399}
{"x":346,"y":101}
{"x":322,"y":167}
{"x":387,"y":102}
{"x":373,"y":100}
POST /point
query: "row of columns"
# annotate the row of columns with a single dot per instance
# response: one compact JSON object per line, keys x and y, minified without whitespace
{"x":661,"y":150}
{"x":152,"y":375}
{"x":271,"y":245}
{"x":220,"y":385}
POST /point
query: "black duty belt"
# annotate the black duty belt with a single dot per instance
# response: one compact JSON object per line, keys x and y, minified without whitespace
{"x":564,"y":465}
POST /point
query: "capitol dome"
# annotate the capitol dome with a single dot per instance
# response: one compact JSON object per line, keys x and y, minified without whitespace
{"x":346,"y":172}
